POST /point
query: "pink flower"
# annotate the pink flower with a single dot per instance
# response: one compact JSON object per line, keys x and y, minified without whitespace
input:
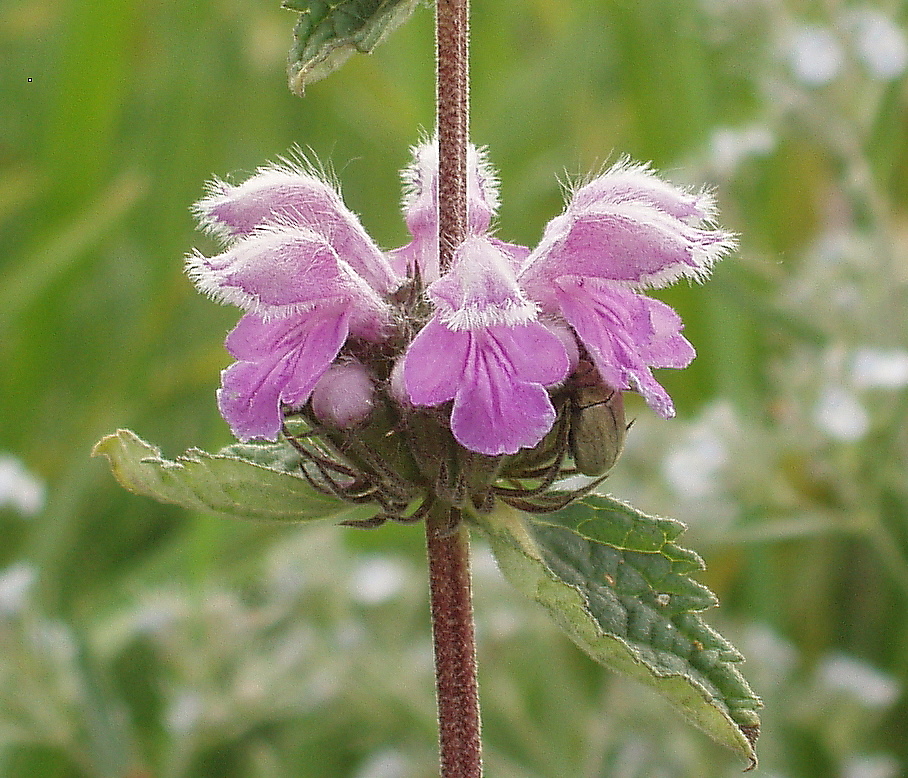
{"x":486,"y":350}
{"x":624,"y":231}
{"x":420,"y":207}
{"x":344,"y":396}
{"x":505,"y":324}
{"x":299,"y":262}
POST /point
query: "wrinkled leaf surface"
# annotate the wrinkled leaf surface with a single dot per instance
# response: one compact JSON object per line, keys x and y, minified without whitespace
{"x":614,"y":580}
{"x":330,"y":31}
{"x":249,"y":481}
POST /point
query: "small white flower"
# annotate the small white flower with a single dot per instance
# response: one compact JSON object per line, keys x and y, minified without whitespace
{"x":55,"y":640}
{"x":871,"y":766}
{"x":859,"y":679}
{"x":873,"y":368}
{"x":841,"y":415}
{"x":377,"y":580}
{"x":15,"y":583}
{"x":815,"y":55}
{"x":388,"y":763}
{"x":19,"y":489}
{"x":694,"y":467}
{"x":771,"y":649}
{"x":879,"y":43}
{"x":730,"y":146}
{"x":184,"y":712}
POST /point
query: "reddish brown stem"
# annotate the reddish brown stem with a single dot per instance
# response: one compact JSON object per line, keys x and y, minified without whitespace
{"x":455,"y":645}
{"x":452,"y":36}
{"x":447,"y":540}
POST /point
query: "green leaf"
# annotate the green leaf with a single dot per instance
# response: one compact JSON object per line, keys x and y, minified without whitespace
{"x":249,"y":481}
{"x":330,"y":31}
{"x":615,"y":582}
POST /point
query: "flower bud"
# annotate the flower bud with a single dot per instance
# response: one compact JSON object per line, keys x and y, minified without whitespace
{"x":343,"y":397}
{"x":597,"y":431}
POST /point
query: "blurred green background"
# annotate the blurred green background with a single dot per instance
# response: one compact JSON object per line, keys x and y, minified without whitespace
{"x":138,"y":640}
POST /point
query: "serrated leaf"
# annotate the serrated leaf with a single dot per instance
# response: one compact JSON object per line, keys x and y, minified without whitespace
{"x":612,"y":578}
{"x":328,"y":32}
{"x":249,"y":481}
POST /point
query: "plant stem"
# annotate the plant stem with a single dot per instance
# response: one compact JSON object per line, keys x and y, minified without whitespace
{"x":455,"y":645}
{"x":448,"y":548}
{"x":453,"y":119}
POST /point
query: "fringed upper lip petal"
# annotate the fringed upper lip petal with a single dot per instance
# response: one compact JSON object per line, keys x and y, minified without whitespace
{"x":627,"y":225}
{"x":280,"y":270}
{"x":420,"y":206}
{"x":627,"y":181}
{"x":420,"y":184}
{"x":290,"y":195}
{"x":481,"y":289}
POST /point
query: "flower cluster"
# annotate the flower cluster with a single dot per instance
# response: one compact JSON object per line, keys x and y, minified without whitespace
{"x":334,"y":327}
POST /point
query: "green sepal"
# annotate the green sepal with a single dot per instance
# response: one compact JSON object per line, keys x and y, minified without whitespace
{"x":613,"y":579}
{"x":328,"y":32}
{"x":259,"y":481}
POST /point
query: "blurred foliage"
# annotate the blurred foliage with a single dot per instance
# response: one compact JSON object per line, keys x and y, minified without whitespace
{"x":138,"y":640}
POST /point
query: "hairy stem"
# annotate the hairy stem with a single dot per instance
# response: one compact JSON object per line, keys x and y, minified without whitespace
{"x":447,"y":540}
{"x":453,"y":117}
{"x":455,"y":644}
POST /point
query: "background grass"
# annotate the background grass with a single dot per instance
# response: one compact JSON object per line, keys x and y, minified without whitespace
{"x":137,"y":640}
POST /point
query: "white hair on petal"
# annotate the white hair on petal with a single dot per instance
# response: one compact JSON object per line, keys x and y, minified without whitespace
{"x":295,"y":165}
{"x":216,"y":192}
{"x":298,"y":161}
{"x":423,"y":167}
{"x":487,"y":176}
{"x":209,"y":278}
{"x":642,"y":175}
{"x":413,"y":175}
{"x":473,"y":317}
{"x":703,"y":245}
{"x":571,"y":184}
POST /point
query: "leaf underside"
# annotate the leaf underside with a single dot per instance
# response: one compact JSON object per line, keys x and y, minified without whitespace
{"x":328,"y":32}
{"x":614,"y":580}
{"x":250,"y":481}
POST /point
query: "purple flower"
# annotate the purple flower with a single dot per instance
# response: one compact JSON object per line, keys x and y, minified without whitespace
{"x":291,"y":195}
{"x":344,"y":396}
{"x":279,"y":361}
{"x":420,"y":206}
{"x":623,"y":231}
{"x":486,"y":350}
{"x":299,"y":262}
{"x":506,"y":325}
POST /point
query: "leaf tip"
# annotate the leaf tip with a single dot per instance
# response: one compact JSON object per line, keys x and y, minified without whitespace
{"x":327,"y":35}
{"x":105,"y":446}
{"x":751,"y":733}
{"x":100,"y":448}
